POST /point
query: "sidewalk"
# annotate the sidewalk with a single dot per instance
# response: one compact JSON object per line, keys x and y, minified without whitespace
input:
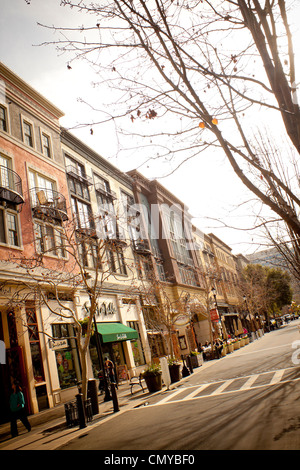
{"x":49,"y":429}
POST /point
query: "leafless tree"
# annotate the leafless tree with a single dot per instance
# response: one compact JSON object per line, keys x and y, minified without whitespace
{"x":212,"y":72}
{"x":84,"y":267}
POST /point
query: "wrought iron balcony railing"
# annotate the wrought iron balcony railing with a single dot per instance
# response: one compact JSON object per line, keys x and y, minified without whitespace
{"x":10,"y":186}
{"x":78,"y":175}
{"x":46,"y":202}
{"x":100,"y":188}
{"x":141,"y":247}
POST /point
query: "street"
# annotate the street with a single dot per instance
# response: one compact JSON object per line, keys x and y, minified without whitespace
{"x":247,"y":400}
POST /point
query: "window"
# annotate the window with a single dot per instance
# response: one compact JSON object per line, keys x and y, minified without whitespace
{"x":161,"y":271}
{"x":88,"y":252}
{"x":77,"y":179}
{"x":46,"y":146}
{"x":188,"y":276}
{"x":116,"y":261}
{"x":34,"y":340}
{"x":3,"y":119}
{"x":42,"y":189}
{"x":49,"y":240}
{"x":9,"y":227}
{"x":83,"y":214}
{"x":12,"y":229}
{"x":28,"y":133}
{"x":5,"y":166}
{"x":66,"y":357}
{"x":136,"y":345}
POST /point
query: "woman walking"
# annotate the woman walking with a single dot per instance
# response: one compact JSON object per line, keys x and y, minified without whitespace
{"x":17,"y":410}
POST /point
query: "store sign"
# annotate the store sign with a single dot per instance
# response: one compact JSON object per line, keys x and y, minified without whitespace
{"x":121,"y":337}
{"x":214,"y":315}
{"x":106,"y":308}
{"x":58,"y":344}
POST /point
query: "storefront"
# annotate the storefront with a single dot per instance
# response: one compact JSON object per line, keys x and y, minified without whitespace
{"x":65,"y":349}
{"x":122,"y":336}
{"x":116,"y":340}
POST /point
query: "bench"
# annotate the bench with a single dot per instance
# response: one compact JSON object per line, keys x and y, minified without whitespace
{"x":136,"y":381}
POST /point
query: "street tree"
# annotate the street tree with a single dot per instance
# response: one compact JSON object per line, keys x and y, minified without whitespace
{"x":212,"y":72}
{"x":87,"y":261}
{"x":266,"y":289}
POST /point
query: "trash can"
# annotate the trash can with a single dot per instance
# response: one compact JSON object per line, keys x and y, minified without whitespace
{"x":92,"y":393}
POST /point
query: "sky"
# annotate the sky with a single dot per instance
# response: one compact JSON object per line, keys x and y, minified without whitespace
{"x":210,"y":190}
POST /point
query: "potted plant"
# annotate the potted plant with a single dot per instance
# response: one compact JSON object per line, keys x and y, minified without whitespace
{"x":174,"y":369}
{"x":152,"y":376}
{"x":194,"y":359}
{"x":230,"y":346}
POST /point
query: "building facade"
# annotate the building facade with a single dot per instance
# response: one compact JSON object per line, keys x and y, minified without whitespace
{"x":33,"y":201}
{"x":67,"y":214}
{"x":172,"y":267}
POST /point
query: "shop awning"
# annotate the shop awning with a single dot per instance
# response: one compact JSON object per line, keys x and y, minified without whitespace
{"x":112,"y":332}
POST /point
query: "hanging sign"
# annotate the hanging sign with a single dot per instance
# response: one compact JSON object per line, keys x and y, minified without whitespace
{"x":214,"y":315}
{"x":58,"y":344}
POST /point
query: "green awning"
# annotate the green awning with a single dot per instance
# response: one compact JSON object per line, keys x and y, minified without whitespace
{"x":112,"y":332}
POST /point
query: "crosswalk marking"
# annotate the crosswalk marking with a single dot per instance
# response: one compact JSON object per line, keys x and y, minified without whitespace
{"x":277,"y":376}
{"x":195,"y":392}
{"x":222,"y":387}
{"x":249,"y":382}
{"x":170,"y":397}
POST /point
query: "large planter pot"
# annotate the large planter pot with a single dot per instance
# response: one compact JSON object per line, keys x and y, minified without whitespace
{"x":247,"y":340}
{"x":230,"y":348}
{"x":224,"y":351}
{"x":153,"y":382}
{"x":196,"y":360}
{"x":242,"y":343}
{"x":175,"y":374}
{"x":236,"y":345}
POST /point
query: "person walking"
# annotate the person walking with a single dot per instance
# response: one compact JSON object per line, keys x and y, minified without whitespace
{"x":110,"y":369}
{"x":17,"y":410}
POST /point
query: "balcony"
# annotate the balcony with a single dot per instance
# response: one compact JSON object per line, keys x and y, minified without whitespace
{"x":10,"y":186}
{"x":100,"y":188}
{"x":77,"y":174}
{"x":48,"y":203}
{"x":142,"y":247}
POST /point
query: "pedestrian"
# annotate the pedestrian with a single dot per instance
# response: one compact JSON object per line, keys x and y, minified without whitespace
{"x":17,"y":410}
{"x":219,"y":347}
{"x":110,"y":369}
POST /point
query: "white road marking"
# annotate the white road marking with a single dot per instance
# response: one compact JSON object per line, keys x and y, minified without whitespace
{"x":221,"y":390}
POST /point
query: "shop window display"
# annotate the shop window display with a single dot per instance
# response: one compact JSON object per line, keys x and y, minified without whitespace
{"x":136,"y":346}
{"x":66,"y":357}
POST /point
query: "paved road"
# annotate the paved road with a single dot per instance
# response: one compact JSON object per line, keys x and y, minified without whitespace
{"x":246,"y":401}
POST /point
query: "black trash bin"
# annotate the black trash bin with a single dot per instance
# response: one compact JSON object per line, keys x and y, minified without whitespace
{"x":92,"y":393}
